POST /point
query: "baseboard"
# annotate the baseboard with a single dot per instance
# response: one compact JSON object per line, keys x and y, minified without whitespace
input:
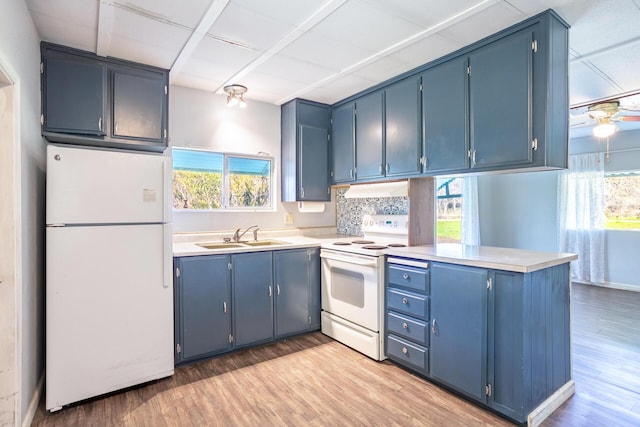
{"x":35,"y":401}
{"x":611,"y":285}
{"x":538,"y":415}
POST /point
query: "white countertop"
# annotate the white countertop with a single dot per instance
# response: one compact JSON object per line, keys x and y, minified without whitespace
{"x":290,"y":242}
{"x":518,"y":260}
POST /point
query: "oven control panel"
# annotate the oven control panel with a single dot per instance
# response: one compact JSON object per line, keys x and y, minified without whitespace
{"x":387,"y":224}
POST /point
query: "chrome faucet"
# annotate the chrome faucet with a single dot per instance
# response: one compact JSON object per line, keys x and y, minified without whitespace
{"x":237,"y":235}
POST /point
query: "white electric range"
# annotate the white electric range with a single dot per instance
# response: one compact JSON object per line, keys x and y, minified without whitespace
{"x":353,"y":283}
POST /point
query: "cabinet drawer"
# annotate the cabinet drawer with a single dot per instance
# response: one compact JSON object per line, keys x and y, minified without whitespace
{"x":411,"y":278}
{"x":414,"y":305}
{"x":411,"y":329}
{"x":408,"y":354}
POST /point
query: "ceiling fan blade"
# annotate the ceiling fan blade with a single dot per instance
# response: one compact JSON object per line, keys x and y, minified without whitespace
{"x":575,"y":124}
{"x":627,"y":119}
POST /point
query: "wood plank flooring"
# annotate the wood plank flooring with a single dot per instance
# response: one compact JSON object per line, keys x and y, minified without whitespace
{"x":312,"y":380}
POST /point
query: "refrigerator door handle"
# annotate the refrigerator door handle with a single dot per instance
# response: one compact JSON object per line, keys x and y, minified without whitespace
{"x":167,"y":177}
{"x":167,"y":256}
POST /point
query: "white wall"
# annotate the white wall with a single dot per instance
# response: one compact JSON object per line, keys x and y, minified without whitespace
{"x":20,"y":59}
{"x":199,"y":119}
{"x":519,"y":210}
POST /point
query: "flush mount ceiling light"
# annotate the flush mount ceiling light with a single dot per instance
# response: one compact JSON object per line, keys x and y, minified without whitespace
{"x":235,"y":95}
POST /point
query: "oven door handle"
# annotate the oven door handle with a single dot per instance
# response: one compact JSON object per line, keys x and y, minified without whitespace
{"x":351,"y":260}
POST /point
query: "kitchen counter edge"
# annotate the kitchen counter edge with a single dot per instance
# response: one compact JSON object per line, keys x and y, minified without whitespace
{"x":292,"y":242}
{"x":495,"y":258}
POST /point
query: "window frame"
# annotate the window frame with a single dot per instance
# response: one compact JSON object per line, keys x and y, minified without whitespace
{"x":226,"y":188}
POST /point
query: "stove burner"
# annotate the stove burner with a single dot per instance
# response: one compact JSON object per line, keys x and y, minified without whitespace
{"x":341,"y":243}
{"x":374,"y":247}
{"x":396,"y":245}
{"x":362,"y":242}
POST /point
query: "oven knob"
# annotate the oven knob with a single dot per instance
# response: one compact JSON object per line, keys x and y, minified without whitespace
{"x":405,"y":326}
{"x":405,"y":276}
{"x":405,"y":301}
{"x":404,"y":350}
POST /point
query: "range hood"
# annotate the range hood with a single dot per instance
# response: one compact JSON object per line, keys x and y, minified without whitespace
{"x":382,"y":189}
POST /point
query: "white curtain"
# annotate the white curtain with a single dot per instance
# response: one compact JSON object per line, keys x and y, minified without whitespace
{"x":470,"y":228}
{"x":581,"y":215}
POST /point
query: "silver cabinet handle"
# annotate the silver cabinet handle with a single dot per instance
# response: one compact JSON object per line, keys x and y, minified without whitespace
{"x":405,"y":276}
{"x":388,"y":168}
{"x":351,"y":173}
{"x":405,"y":326}
{"x":405,"y":301}
{"x":433,"y":326}
{"x":224,"y":307}
{"x":277,"y":289}
{"x":116,"y":127}
{"x":473,"y":157}
{"x":100,"y":124}
{"x":270,"y":291}
{"x":380,"y":169}
{"x":404,"y":350}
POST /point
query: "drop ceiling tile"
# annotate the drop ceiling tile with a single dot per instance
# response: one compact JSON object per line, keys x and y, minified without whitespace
{"x":334,"y":53}
{"x":587,"y":83}
{"x":64,"y":33}
{"x":289,"y":12}
{"x":483,"y":24}
{"x":247,"y":27}
{"x":383,"y":69}
{"x":290,"y":69}
{"x":169,"y":11}
{"x":531,"y":8}
{"x":421,"y":13}
{"x":621,"y":67}
{"x":73,"y":13}
{"x":338,"y":89}
{"x":269,"y":88}
{"x":426,"y":50}
{"x":604,"y":23}
{"x":365,"y":26}
{"x":185,"y":79}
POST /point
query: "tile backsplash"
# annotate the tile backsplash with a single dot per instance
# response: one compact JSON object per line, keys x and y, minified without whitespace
{"x":350,"y":211}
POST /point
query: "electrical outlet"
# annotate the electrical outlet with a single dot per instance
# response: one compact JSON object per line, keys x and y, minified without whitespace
{"x":288,"y":218}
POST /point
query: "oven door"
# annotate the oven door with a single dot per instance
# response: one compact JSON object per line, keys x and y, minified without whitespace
{"x":350,"y":287}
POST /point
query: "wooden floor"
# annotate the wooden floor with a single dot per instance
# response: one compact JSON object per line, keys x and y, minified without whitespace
{"x":314,"y":381}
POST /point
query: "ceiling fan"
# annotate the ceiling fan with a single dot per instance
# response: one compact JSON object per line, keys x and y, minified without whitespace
{"x":604,"y":114}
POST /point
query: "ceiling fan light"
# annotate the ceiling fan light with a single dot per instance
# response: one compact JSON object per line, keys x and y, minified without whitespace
{"x":604,"y":130}
{"x":235,"y":95}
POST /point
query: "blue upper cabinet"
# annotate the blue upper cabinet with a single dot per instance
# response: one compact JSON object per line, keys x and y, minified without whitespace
{"x":305,"y":130}
{"x":445,"y":118}
{"x":138,"y":105}
{"x":500,"y":102}
{"x":104,"y":102}
{"x":369,"y":136}
{"x":403,"y":128}
{"x":343,"y":143}
{"x":74,"y":95}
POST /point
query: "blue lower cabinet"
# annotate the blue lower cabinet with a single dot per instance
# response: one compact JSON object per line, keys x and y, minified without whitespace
{"x":499,"y":338}
{"x":252,"y":298}
{"x":224,"y":302}
{"x":202,"y":307}
{"x":408,"y":354}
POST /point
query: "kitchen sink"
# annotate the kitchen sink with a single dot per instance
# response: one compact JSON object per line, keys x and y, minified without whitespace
{"x":264,"y":243}
{"x":220,"y":245}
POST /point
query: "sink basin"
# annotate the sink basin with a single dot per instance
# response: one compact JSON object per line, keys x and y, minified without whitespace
{"x":220,"y":245}
{"x":264,"y":243}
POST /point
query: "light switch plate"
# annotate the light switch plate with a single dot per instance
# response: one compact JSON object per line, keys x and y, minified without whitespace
{"x":288,"y":218}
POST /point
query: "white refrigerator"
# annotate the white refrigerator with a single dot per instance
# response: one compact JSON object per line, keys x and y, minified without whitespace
{"x":109,"y":286}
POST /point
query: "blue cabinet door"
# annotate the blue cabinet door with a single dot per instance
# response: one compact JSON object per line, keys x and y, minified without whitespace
{"x":343,"y":143}
{"x":500,"y":99}
{"x":314,"y":161}
{"x":459,"y":328}
{"x":370,"y":136}
{"x":403,"y":141}
{"x":293,"y":293}
{"x":74,"y":94}
{"x":445,"y":118}
{"x":204,"y":301}
{"x":139,"y":104}
{"x":252,"y":297}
